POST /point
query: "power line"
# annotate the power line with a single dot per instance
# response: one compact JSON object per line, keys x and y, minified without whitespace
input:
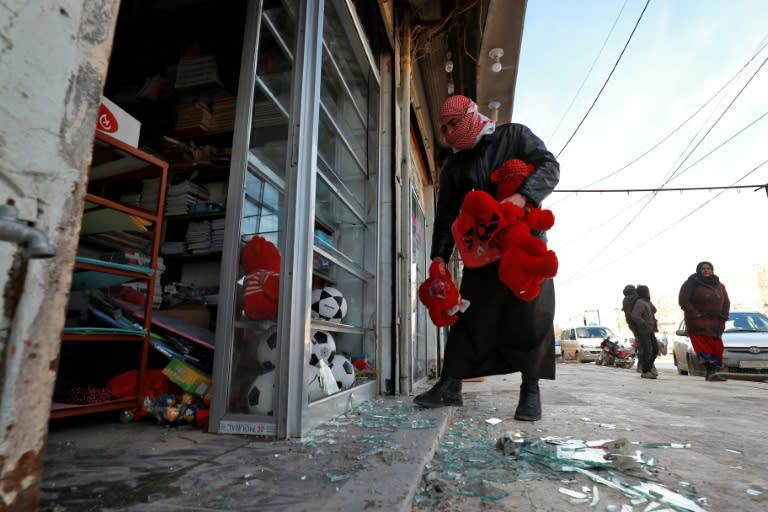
{"x":600,"y":92}
{"x":659,"y":233}
{"x":589,"y":73}
{"x":680,"y":189}
{"x":672,"y":176}
{"x":675,"y":173}
{"x":760,"y":48}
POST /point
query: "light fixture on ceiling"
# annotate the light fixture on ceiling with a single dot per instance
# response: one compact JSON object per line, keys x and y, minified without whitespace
{"x":451,"y":87}
{"x":448,"y":62}
{"x":494,"y":106}
{"x":496,"y":54}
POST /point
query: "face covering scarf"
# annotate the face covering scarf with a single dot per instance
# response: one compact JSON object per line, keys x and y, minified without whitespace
{"x":470,"y":126}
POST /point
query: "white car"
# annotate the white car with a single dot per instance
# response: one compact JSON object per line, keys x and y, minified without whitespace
{"x":583,"y":343}
{"x":745,"y":341}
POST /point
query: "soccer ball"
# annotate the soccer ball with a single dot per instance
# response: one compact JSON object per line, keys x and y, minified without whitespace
{"x":343,"y":371}
{"x":266,"y":351}
{"x":323,"y":347}
{"x":261,"y":393}
{"x":329,"y":304}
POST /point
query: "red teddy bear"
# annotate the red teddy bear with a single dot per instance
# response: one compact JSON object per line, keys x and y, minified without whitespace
{"x":491,"y":230}
{"x":441,"y":297}
{"x":260,"y":259}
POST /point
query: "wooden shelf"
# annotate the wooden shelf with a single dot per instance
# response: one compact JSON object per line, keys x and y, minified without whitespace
{"x":65,"y":410}
{"x":116,"y":166}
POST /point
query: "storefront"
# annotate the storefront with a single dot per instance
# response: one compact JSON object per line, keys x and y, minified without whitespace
{"x":304,"y":132}
{"x":306,"y":180}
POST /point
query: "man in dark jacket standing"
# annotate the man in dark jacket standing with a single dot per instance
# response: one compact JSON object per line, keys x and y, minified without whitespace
{"x":499,"y":333}
{"x":644,"y":319}
{"x":705,"y":304}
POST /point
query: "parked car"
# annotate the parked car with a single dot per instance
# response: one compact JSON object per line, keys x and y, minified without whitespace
{"x":558,"y":350}
{"x":745,"y":340}
{"x":583,"y":343}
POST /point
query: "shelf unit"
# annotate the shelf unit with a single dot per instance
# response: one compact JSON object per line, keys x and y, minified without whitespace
{"x":101,"y":330}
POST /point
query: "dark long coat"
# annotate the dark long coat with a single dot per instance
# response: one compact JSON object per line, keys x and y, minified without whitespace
{"x":705,"y":305}
{"x":499,"y":333}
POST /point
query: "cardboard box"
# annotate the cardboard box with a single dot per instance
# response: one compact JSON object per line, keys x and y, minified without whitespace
{"x":117,"y":123}
{"x":188,"y":378}
{"x":193,"y":314}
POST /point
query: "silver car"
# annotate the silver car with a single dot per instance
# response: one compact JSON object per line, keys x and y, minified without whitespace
{"x":745,"y":340}
{"x":582,"y":344}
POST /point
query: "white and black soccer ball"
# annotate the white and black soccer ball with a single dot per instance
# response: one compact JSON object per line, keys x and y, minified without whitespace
{"x":323,"y":347}
{"x":343,"y":371}
{"x":328,"y":304}
{"x":266,"y":351}
{"x":261,"y":393}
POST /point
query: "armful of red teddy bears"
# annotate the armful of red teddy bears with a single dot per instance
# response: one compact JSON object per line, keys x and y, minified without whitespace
{"x":488,"y":230}
{"x":441,"y":297}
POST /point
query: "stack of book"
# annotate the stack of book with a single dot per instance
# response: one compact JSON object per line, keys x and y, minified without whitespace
{"x":192,"y":119}
{"x":223,"y":114}
{"x":197,"y":71}
{"x":217,"y":235}
{"x":198,"y":237}
{"x":183,"y":196}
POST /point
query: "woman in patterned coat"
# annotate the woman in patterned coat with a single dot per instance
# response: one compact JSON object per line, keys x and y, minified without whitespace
{"x":706,"y":305}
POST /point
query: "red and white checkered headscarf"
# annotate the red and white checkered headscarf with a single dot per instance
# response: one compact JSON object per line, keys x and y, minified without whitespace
{"x":472,"y":126}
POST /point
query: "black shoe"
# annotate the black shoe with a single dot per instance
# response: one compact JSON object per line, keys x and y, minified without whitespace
{"x":713,"y":375}
{"x":529,"y":404}
{"x":447,"y":391}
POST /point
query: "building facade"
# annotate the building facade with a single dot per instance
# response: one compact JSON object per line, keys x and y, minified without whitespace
{"x":333,"y":159}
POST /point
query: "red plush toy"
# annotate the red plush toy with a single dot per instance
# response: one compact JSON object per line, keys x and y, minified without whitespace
{"x":441,"y":297}
{"x":492,"y":230}
{"x":260,"y":259}
{"x":509,"y":176}
{"x":525,"y":259}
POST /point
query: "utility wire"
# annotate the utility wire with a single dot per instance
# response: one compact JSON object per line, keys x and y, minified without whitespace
{"x":681,"y":189}
{"x":659,"y":233}
{"x":761,"y":47}
{"x":729,"y":139}
{"x":661,"y":189}
{"x":675,"y":173}
{"x":589,"y":73}
{"x":606,"y":80}
{"x":652,"y":195}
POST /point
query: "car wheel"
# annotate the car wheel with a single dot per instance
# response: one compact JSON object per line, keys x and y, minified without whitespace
{"x":680,"y":371}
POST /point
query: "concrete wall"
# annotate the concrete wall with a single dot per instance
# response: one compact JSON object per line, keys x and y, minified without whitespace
{"x":53,"y":61}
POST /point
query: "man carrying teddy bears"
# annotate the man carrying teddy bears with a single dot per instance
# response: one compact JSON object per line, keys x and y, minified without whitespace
{"x":502,"y":331}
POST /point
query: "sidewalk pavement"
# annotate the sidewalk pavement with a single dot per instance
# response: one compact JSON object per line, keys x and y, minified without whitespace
{"x":385,"y":455}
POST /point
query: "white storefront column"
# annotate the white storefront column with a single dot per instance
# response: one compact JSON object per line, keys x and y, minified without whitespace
{"x":53,"y":60}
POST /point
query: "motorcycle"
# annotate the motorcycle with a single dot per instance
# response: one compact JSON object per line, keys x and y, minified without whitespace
{"x":615,"y":354}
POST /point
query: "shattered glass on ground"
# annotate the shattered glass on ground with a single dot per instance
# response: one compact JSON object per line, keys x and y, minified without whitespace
{"x":481,"y":460}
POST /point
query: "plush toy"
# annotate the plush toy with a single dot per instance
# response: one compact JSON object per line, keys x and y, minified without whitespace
{"x":509,"y":177}
{"x":525,"y":260}
{"x":260,"y":259}
{"x":490,"y":230}
{"x":441,"y":297}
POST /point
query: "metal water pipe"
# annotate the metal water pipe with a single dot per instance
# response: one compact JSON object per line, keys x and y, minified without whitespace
{"x":34,"y":243}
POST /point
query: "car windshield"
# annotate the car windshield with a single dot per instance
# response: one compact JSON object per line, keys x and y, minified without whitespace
{"x":593,"y":332}
{"x":746,"y":322}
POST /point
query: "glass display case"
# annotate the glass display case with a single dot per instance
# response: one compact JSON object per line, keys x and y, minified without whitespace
{"x":305,"y":167}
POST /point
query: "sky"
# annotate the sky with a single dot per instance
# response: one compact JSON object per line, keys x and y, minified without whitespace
{"x":685,"y":56}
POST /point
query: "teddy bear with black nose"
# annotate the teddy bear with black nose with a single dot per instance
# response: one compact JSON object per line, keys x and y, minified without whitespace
{"x":441,"y":297}
{"x":489,"y":229}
